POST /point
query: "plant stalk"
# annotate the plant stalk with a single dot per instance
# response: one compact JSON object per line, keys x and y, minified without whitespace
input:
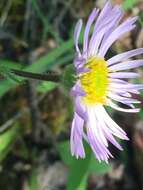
{"x":50,"y":76}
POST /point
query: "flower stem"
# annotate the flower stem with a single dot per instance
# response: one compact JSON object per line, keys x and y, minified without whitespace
{"x":50,"y":76}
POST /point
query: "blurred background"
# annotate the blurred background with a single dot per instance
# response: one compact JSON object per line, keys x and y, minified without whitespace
{"x":35,"y":116}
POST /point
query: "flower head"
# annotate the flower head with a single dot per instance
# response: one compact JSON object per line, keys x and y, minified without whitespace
{"x":102,"y":82}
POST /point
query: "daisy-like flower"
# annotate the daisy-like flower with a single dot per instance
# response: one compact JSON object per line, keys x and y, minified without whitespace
{"x":102,"y":82}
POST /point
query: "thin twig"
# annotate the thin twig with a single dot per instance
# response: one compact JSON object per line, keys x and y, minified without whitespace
{"x":27,"y":19}
{"x":8,"y":124}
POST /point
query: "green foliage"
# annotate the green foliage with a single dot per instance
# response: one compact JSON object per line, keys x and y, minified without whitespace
{"x":129,"y":4}
{"x":5,"y":86}
{"x":11,"y":79}
{"x":81,"y":168}
{"x":6,"y":141}
{"x":46,"y":86}
{"x":141,"y":114}
{"x":43,"y":64}
{"x":109,"y":109}
{"x":5,"y":72}
{"x":33,"y":185}
{"x":9,"y":64}
{"x":47,"y":27}
{"x":98,"y":168}
{"x":51,"y":59}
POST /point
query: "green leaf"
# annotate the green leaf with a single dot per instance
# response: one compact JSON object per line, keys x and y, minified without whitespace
{"x":51,"y":59}
{"x":78,"y":168}
{"x":44,"y":63}
{"x":64,"y":151}
{"x":83,"y":183}
{"x":129,"y":4}
{"x":98,"y":168}
{"x":141,"y":114}
{"x":6,"y":141}
{"x":79,"y":171}
{"x":46,"y":86}
{"x":81,"y":168}
{"x":5,"y":86}
{"x":10,"y":64}
{"x":109,"y":109}
{"x":6,"y":73}
{"x":33,"y":184}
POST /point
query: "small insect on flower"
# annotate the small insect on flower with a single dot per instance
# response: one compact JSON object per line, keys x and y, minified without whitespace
{"x":101,"y":83}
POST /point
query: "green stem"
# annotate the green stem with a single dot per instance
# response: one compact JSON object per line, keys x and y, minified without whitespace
{"x":50,"y":76}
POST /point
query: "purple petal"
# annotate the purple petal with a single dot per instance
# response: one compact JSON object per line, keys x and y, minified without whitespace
{"x":127,"y":86}
{"x":77,"y":148}
{"x":119,"y":81}
{"x":125,"y":56}
{"x":121,"y":99}
{"x":79,"y":62}
{"x":97,"y":38}
{"x":77,"y":91}
{"x":80,"y":109}
{"x":104,"y":13}
{"x":123,"y":75}
{"x":126,"y":26}
{"x":109,"y":136}
{"x":76,"y":34}
{"x":96,"y":138}
{"x":102,"y":29}
{"x":126,"y":65}
{"x":82,"y":70}
{"x":91,"y":18}
{"x":119,"y":15}
{"x":114,"y":106}
{"x":114,"y":128}
{"x":123,"y":90}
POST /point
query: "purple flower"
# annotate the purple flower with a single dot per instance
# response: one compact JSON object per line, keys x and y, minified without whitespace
{"x":101,"y":82}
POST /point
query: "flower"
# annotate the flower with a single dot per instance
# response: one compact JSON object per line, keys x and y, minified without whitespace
{"x":101,"y":83}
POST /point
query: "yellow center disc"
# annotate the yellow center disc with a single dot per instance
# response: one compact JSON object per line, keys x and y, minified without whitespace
{"x":95,"y":82}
